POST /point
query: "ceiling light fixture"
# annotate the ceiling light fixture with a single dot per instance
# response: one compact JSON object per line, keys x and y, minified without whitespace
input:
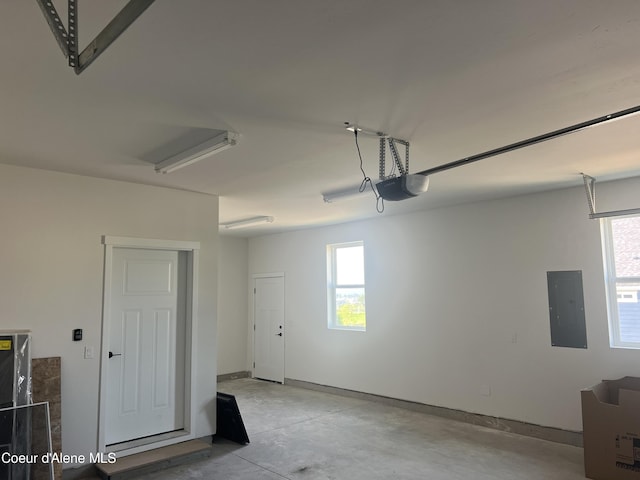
{"x":247,"y":222}
{"x":199,"y":152}
{"x":344,"y":194}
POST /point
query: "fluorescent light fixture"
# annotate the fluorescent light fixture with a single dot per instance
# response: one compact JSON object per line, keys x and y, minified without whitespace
{"x":344,"y":194}
{"x":247,"y":222}
{"x":199,"y":152}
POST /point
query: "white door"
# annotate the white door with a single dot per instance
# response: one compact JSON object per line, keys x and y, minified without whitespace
{"x":269,"y":328}
{"x":144,"y":395}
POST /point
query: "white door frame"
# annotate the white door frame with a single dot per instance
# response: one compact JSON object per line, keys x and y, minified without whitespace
{"x":252,"y":319}
{"x":192,"y":249}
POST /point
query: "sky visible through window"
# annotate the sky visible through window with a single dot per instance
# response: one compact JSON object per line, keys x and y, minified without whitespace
{"x":350,"y":263}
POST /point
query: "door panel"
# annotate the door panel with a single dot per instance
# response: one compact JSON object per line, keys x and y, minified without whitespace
{"x":269,"y":328}
{"x":143,"y":397}
{"x":129,"y":362}
{"x":162,"y":355}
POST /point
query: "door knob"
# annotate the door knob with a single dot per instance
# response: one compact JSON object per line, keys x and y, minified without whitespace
{"x":279,"y":334}
{"x":111,"y":354}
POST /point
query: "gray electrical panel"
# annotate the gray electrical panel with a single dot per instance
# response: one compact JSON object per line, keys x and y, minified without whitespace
{"x":566,"y":309}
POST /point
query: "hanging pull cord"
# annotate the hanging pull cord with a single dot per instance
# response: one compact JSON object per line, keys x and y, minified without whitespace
{"x":367,"y":180}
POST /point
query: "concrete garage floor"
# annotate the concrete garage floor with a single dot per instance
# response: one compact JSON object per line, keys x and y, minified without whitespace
{"x":299,"y":433}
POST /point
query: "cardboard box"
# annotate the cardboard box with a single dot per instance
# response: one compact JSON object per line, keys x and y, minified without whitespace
{"x":611,"y":429}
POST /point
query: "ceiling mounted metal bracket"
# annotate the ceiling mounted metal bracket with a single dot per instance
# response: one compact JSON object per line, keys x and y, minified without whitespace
{"x":590,"y":189}
{"x":68,"y":41}
{"x":396,"y":157}
{"x":56,"y":25}
{"x":73,"y":36}
{"x":382,"y":167}
{"x":393,"y":149}
{"x":403,"y":169}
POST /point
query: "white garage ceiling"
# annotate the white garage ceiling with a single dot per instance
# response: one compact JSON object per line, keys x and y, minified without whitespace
{"x":454,"y":78}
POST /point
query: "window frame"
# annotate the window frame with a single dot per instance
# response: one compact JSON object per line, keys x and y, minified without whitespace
{"x":611,"y":282}
{"x":332,"y":286}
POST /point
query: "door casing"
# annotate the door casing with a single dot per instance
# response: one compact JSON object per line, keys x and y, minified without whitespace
{"x":192,"y":252}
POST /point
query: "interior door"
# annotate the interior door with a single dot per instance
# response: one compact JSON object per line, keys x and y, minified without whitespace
{"x":269,"y":328}
{"x":144,"y":395}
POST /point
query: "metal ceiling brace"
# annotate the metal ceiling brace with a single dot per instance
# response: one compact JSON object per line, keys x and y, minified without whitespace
{"x":391,"y":141}
{"x":396,"y":157}
{"x":590,"y":189}
{"x":68,"y":41}
{"x":73,"y":36}
{"x":384,"y":140}
{"x":55,"y":23}
{"x":382,"y":169}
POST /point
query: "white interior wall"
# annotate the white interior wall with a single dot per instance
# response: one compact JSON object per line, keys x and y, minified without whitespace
{"x":232,"y":305}
{"x":51,"y":276}
{"x":457,"y":305}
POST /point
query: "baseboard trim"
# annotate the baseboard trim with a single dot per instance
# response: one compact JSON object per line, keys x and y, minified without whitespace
{"x":551,"y":434}
{"x":233,"y":376}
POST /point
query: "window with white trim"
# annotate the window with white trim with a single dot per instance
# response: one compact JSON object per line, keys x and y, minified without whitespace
{"x":345,"y":286}
{"x":621,"y":243}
